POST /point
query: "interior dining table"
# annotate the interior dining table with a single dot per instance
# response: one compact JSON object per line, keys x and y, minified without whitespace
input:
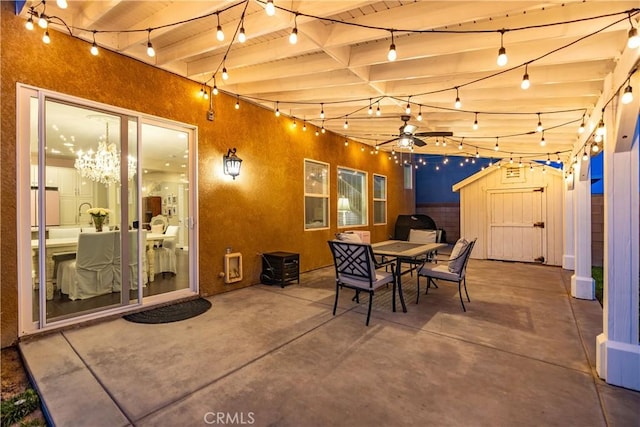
{"x":408,"y":252}
{"x":70,"y":244}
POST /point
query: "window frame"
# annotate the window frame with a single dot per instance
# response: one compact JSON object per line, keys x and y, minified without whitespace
{"x":364,"y":215}
{"x":326,"y":197}
{"x":379,"y":199}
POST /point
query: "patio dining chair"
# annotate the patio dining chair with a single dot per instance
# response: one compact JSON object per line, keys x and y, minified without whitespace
{"x":452,"y":271}
{"x":355,"y":268}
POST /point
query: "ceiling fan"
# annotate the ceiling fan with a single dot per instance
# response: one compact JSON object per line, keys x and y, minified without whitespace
{"x":408,"y":138}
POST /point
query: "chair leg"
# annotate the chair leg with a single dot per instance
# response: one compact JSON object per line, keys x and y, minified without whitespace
{"x":356,"y":297}
{"x":465,"y":289}
{"x":370,"y":303}
{"x":418,"y":292}
{"x":460,"y":293}
{"x":335,"y":304}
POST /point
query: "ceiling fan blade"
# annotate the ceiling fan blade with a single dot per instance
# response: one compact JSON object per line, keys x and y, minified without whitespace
{"x":390,"y":140}
{"x":435,"y":133}
{"x":418,"y":142}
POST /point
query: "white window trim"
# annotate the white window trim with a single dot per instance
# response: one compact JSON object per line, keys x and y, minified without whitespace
{"x":327,"y":196}
{"x":386,"y":181}
{"x":365,"y":197}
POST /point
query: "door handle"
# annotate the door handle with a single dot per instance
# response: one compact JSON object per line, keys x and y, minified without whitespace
{"x":538,"y":224}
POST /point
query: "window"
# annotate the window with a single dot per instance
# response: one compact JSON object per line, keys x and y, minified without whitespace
{"x":316,"y":195}
{"x":379,"y":199}
{"x":352,"y":197}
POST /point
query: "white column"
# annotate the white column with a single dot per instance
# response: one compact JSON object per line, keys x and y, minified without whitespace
{"x":568,"y":243}
{"x":582,"y":284}
{"x":617,"y":348}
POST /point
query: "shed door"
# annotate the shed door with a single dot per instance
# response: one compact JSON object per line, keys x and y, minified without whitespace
{"x":516,"y":225}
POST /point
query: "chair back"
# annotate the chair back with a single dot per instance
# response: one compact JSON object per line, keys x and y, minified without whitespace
{"x":63,"y":232}
{"x":467,"y":255}
{"x":157,"y":221}
{"x":95,"y":250}
{"x":423,"y":236}
{"x":172,"y":230}
{"x":353,"y":260}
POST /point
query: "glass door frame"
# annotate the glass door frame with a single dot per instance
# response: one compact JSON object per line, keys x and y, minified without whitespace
{"x":26,"y":324}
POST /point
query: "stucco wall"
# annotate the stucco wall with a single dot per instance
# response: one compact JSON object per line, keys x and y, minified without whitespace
{"x":262,"y":210}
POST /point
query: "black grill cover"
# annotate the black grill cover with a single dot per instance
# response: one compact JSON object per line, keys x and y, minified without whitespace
{"x":404,"y":223}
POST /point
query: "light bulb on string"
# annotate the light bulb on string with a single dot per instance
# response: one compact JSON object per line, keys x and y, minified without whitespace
{"x":595,"y":147}
{"x":392,"y":54}
{"x":525,"y":84}
{"x":460,"y":146}
{"x":294,"y":124}
{"x":219,"y":32}
{"x":497,"y":146}
{"x":225,"y":75}
{"x":520,"y":162}
{"x":277,"y":112}
{"x":29,"y":24}
{"x":293,"y":37}
{"x":581,"y":128}
{"x":633,"y":42}
{"x":543,"y":141}
{"x":370,"y":111}
{"x":45,"y":37}
{"x":539,"y":127}
{"x":270,"y":8}
{"x":378,"y":112}
{"x":150,"y":50}
{"x":477,"y":154}
{"x":627,"y":96}
{"x":419,"y":114}
{"x":458,"y":103}
{"x":346,"y":123}
{"x":511,"y":159}
{"x":601,"y":129}
{"x":242,"y":36}
{"x":43,"y":22}
{"x":205,"y":95}
{"x":548,"y":162}
{"x":322,"y":111}
{"x":322,"y":128}
{"x":502,"y":52}
{"x":94,"y":46}
{"x":237,"y":102}
{"x":585,"y":156}
{"x":408,"y":108}
{"x":304,"y":125}
{"x":215,"y":88}
{"x":62,"y":4}
{"x":597,"y":138}
{"x":475,"y":122}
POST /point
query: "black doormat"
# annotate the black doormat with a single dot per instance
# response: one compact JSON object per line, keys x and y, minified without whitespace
{"x":171,"y":313}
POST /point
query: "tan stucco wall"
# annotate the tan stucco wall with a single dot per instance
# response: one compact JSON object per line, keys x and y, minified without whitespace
{"x":260,"y":211}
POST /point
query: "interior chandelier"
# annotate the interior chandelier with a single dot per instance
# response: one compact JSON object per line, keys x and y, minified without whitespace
{"x":103,"y":165}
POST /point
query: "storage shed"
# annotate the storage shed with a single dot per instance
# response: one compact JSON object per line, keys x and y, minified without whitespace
{"x":515,"y":212}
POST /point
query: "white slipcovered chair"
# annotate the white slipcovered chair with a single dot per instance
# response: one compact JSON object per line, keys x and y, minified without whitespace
{"x":91,"y":273}
{"x":165,"y":256}
{"x":134,"y":249}
{"x":159,"y":224}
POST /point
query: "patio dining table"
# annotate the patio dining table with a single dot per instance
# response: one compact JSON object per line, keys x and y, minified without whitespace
{"x":403,"y":251}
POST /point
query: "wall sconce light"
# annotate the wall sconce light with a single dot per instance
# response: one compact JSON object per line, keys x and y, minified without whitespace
{"x":231,"y":163}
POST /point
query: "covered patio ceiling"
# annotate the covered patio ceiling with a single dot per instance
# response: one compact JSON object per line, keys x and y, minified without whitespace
{"x":339,"y":65}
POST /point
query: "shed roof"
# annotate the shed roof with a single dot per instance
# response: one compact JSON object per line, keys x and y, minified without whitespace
{"x":489,"y":170}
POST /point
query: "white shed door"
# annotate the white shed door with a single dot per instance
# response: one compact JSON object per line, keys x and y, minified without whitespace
{"x":516,"y":225}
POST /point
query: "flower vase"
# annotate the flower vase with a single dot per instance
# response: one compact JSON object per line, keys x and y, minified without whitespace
{"x":98,"y":221}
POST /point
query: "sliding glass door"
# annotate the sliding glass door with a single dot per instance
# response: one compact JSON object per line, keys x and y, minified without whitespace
{"x":89,"y":241}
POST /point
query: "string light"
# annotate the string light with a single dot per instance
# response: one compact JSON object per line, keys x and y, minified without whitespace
{"x":539,"y":128}
{"x":322,"y":111}
{"x":392,"y":55}
{"x":94,"y":46}
{"x":277,"y":109}
{"x":205,"y":94}
{"x":595,"y":147}
{"x":219,"y":32}
{"x":62,"y":4}
{"x":42,"y":20}
{"x":475,"y":122}
{"x":294,"y":124}
{"x":548,"y":159}
{"x":460,"y":146}
{"x":525,"y":78}
{"x":150,"y":50}
{"x":601,"y":129}
{"x":29,"y":24}
{"x":408,"y":108}
{"x":543,"y":142}
{"x":45,"y":38}
{"x":502,"y":52}
{"x":457,"y":104}
{"x":346,"y":123}
{"x":242,"y":37}
{"x":215,"y":88}
{"x":346,"y":141}
{"x":293,"y":37}
{"x":304,"y":125}
{"x":581,"y":128}
{"x":511,"y":159}
{"x":496,"y":147}
{"x":270,"y":8}
{"x":378,"y":112}
{"x":237,"y":102}
{"x":225,"y":75}
{"x":627,"y":96}
{"x":634,"y":39}
{"x":419,"y":114}
{"x":370,"y":111}
{"x":322,"y":129}
{"x":477,"y":153}
{"x":520,"y":162}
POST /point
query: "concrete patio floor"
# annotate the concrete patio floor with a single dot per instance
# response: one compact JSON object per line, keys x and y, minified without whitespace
{"x":523,"y":354}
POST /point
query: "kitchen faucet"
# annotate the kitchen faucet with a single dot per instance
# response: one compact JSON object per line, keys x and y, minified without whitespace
{"x":80,"y":210}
